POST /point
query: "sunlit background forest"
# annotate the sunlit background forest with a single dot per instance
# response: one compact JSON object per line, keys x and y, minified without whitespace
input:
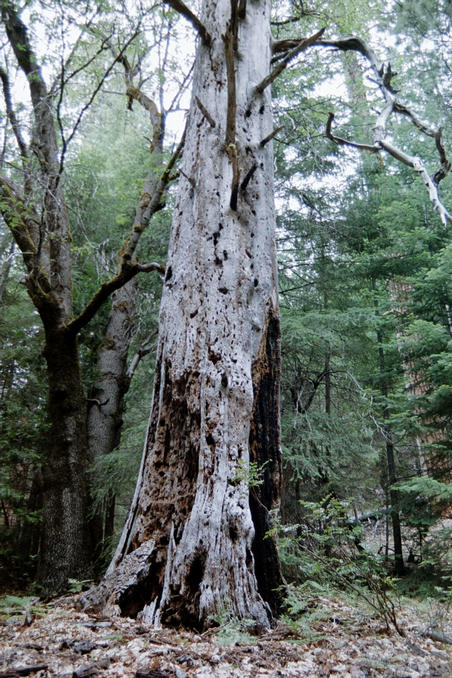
{"x":365,"y":276}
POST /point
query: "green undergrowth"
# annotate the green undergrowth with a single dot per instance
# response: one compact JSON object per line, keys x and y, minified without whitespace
{"x":21,"y":608}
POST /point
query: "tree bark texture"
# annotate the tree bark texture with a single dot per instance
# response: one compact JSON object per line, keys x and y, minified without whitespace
{"x":66,"y":543}
{"x":106,"y":402}
{"x":197,"y":516}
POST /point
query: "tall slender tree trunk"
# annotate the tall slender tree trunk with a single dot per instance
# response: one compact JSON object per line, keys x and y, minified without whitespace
{"x":195,"y":525}
{"x":390,"y":457}
{"x":106,"y":402}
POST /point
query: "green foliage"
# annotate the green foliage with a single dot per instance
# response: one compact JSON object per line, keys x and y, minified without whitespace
{"x":304,"y":609}
{"x":233,"y":631}
{"x":25,"y":607}
{"x":78,"y":585}
{"x":250,"y":473}
{"x":330,"y":555}
{"x":22,"y":431}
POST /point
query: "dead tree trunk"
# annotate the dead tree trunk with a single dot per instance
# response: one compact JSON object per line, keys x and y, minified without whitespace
{"x":193,"y":544}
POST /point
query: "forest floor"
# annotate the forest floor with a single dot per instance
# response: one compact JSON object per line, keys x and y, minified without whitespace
{"x":332,"y":638}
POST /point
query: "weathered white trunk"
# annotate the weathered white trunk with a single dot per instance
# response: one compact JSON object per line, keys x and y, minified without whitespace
{"x":215,"y":402}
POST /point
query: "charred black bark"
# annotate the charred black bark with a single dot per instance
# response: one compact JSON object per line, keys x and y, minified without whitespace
{"x":264,"y":446}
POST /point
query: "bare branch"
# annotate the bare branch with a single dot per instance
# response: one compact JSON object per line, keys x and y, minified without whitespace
{"x":284,"y":22}
{"x":356,"y":45}
{"x":419,"y":167}
{"x":151,"y":266}
{"x":445,"y":163}
{"x":23,"y":149}
{"x":145,"y":348}
{"x":383,"y":75}
{"x":182,"y":8}
{"x":346,"y":142}
{"x":291,"y":54}
{"x":147,"y":103}
{"x":248,"y":177}
{"x":68,"y":139}
{"x":182,"y":86}
{"x":205,"y":112}
{"x":423,"y":127}
{"x":270,"y":136}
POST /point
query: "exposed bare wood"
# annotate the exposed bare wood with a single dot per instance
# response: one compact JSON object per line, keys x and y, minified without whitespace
{"x":346,"y":142}
{"x":149,"y":105}
{"x":419,"y":167}
{"x":209,"y":542}
{"x":383,"y":75}
{"x":438,"y":637}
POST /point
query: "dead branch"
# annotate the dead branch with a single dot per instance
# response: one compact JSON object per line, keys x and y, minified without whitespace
{"x":270,"y":136}
{"x":248,"y":177}
{"x":383,"y":75}
{"x":145,"y":348}
{"x":147,"y":103}
{"x":300,"y":46}
{"x":205,"y":112}
{"x":438,"y":637}
{"x":397,"y":153}
{"x":11,"y":114}
{"x":346,"y":142}
{"x":182,"y":8}
{"x":445,"y":163}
